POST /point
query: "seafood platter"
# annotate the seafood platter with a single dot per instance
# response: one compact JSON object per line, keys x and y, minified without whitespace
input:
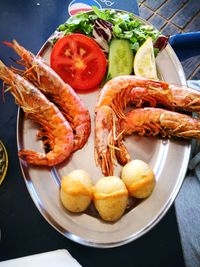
{"x":104,"y":126}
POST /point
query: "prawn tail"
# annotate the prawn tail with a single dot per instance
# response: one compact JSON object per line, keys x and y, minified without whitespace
{"x":33,"y":157}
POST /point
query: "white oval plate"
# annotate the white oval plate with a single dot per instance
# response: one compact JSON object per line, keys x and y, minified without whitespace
{"x":169,"y":160}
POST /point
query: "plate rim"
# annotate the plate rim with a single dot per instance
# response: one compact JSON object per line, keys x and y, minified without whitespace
{"x":47,"y":215}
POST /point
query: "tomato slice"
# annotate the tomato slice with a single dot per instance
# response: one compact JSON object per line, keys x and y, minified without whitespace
{"x":79,"y":61}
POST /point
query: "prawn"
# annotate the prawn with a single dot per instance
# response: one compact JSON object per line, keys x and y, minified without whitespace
{"x":37,"y":107}
{"x":129,"y":89}
{"x":61,"y":93}
{"x":156,"y":121}
{"x":121,"y":91}
{"x":106,"y":139}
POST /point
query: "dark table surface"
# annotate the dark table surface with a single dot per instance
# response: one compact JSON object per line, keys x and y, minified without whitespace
{"x":23,"y":229}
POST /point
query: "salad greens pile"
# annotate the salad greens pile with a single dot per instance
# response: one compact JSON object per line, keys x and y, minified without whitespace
{"x":124,"y":26}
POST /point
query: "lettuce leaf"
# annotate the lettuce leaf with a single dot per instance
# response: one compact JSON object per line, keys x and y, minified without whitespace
{"x":125,"y":26}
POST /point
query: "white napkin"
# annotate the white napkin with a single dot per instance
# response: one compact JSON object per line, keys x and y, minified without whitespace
{"x":57,"y":258}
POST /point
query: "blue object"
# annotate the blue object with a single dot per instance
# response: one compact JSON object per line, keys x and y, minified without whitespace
{"x":77,"y":5}
{"x":186,"y":45}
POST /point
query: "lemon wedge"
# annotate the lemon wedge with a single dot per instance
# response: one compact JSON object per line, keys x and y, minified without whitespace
{"x":3,"y":162}
{"x":144,"y":63}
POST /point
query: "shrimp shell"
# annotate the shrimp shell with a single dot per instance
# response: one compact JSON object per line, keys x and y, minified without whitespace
{"x":55,"y":127}
{"x":108,"y":140}
{"x":123,"y":90}
{"x":104,"y":139}
{"x":156,"y":121}
{"x":47,"y":80}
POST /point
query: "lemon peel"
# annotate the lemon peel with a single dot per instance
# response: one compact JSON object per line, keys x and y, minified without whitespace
{"x":144,"y":62}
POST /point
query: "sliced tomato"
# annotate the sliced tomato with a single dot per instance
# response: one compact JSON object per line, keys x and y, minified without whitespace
{"x":79,"y":61}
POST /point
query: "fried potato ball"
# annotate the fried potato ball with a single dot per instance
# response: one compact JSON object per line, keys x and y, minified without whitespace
{"x":139,"y":178}
{"x":110,"y":198}
{"x":76,"y":191}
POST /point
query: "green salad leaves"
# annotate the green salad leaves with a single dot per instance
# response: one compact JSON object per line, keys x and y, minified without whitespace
{"x":125,"y":26}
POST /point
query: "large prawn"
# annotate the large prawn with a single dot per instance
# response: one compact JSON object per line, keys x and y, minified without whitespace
{"x":156,"y":121}
{"x":47,"y":80}
{"x":124,"y":90}
{"x":55,"y":128}
{"x":109,"y":141}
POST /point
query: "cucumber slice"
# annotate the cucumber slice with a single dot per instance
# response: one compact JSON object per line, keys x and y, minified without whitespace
{"x":120,"y":59}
